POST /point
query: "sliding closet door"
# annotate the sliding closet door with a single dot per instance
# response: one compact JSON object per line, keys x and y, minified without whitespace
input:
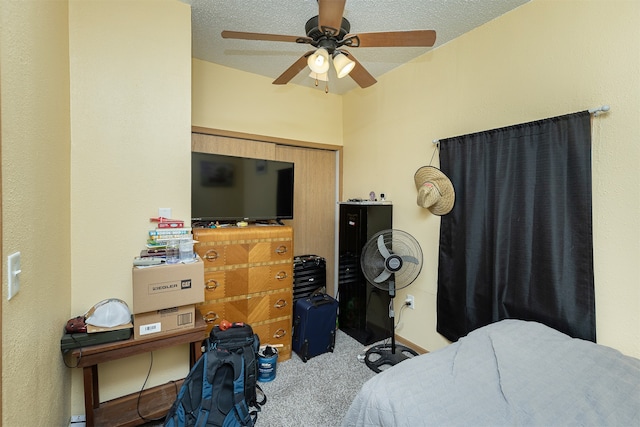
{"x":232,"y":146}
{"x":315,"y":203}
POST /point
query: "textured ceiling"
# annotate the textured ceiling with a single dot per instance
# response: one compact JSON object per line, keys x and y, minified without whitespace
{"x":449,"y":18}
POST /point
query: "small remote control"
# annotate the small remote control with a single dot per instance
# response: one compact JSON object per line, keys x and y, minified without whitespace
{"x":147,"y":261}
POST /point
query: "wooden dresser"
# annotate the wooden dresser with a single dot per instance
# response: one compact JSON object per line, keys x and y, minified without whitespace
{"x":248,"y":275}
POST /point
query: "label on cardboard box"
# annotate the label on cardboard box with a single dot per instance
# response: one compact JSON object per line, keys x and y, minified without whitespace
{"x":169,"y":285}
{"x":156,"y":288}
{"x":163,"y":321}
{"x":151,"y":328}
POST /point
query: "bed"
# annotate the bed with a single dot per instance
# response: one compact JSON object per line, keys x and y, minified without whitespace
{"x":511,"y":373}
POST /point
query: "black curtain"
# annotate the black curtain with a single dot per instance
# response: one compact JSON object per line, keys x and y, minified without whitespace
{"x":518,"y":243}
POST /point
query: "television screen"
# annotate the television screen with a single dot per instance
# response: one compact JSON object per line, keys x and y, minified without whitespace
{"x":228,"y":188}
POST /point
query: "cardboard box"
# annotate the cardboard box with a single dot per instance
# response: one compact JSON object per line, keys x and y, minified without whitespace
{"x":159,"y":322}
{"x":167,"y":285}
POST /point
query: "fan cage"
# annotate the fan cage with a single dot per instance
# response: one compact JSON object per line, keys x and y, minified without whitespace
{"x":399,"y":243}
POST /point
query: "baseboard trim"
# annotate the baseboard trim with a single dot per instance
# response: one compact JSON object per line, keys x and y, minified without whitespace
{"x":411,"y":345}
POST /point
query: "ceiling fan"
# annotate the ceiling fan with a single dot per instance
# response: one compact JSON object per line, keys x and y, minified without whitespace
{"x":329,"y":33}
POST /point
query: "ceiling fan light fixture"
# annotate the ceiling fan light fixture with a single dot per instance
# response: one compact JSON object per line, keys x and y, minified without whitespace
{"x":343,"y":64}
{"x":318,"y":61}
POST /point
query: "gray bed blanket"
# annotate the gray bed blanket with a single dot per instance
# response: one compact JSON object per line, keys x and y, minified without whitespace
{"x":511,"y":373}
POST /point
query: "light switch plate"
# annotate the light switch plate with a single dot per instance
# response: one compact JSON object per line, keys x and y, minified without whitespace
{"x":13,"y":271}
{"x":164,"y":212}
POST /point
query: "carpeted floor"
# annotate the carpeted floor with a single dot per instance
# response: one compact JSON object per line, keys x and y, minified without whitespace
{"x":316,"y":393}
{"x":313,"y":394}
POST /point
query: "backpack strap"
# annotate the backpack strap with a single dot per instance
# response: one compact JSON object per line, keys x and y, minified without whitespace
{"x":239,"y":410}
{"x":264,"y":396}
{"x":206,"y":403}
{"x":240,"y":404}
{"x":258,"y":404}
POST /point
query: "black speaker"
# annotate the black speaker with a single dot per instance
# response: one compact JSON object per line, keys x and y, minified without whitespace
{"x":363,"y":308}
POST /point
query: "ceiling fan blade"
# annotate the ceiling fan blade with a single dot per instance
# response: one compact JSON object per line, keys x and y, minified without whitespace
{"x":293,"y":70}
{"x":359,"y":74}
{"x":382,"y":277}
{"x":261,"y":36}
{"x":426,"y":38}
{"x":330,"y":15}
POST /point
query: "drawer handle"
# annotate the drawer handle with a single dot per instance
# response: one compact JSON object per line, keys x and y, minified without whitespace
{"x":281,"y":303}
{"x":211,"y":285}
{"x":282,"y":249}
{"x":211,"y":255}
{"x":279,"y":333}
{"x":210,"y":317}
{"x":281,"y":275}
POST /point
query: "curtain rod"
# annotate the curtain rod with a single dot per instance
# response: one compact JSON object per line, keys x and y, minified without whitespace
{"x":594,"y":111}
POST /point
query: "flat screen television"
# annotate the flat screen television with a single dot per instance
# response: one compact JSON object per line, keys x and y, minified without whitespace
{"x":229,"y":188}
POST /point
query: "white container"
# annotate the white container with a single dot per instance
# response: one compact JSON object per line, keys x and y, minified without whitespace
{"x":172,"y":253}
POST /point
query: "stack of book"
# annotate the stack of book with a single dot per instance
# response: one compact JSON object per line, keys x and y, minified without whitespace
{"x":160,"y":237}
{"x":167,"y":230}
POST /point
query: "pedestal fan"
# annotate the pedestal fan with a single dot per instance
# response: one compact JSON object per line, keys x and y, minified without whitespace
{"x":391,"y":260}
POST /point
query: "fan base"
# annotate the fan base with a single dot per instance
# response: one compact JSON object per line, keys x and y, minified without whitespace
{"x":381,"y":356}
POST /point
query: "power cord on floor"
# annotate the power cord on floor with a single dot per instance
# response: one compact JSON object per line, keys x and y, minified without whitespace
{"x":142,"y":389}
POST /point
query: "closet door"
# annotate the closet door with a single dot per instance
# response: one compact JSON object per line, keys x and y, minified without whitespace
{"x":232,"y":146}
{"x":315,"y":204}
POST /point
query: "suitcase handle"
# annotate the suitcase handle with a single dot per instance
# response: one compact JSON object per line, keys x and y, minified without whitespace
{"x":318,"y":300}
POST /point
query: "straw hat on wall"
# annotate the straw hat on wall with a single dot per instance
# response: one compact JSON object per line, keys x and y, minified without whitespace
{"x":435,"y":190}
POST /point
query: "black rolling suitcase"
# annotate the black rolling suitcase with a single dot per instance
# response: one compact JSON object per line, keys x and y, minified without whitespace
{"x":309,"y":276}
{"x":314,"y":326}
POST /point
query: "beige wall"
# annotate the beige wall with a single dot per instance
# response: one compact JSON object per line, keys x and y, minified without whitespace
{"x":543,"y":59}
{"x":231,"y":100}
{"x":130,"y":154}
{"x":34,"y":70}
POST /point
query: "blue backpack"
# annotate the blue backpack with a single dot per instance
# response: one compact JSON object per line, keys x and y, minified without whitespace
{"x":221,"y":388}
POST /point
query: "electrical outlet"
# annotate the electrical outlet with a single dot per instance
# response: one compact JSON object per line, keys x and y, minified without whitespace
{"x":409,"y":301}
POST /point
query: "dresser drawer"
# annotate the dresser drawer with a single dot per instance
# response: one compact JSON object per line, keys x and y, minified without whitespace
{"x":225,"y":283}
{"x":274,"y":333}
{"x":270,"y":277}
{"x":219,"y":254}
{"x":249,"y":309}
{"x":225,"y":247}
{"x":242,"y":281}
{"x":216,"y":255}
